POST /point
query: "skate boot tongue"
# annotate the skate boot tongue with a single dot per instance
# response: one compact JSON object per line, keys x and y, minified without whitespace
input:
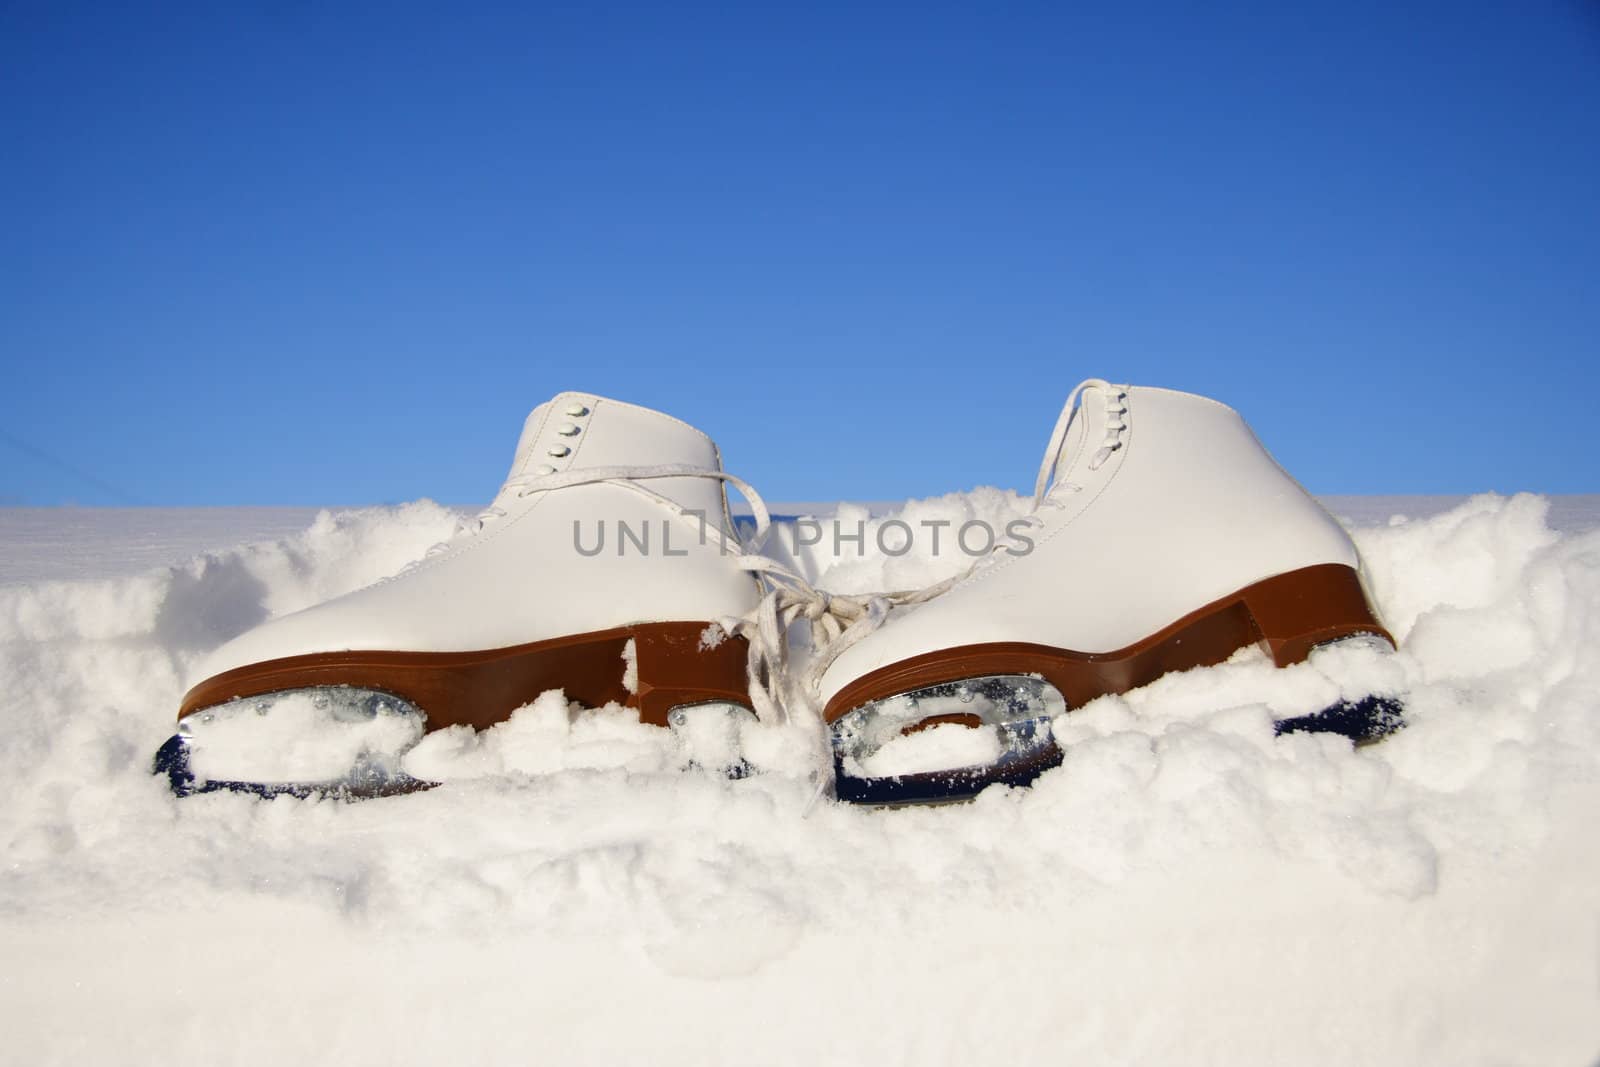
{"x":1086,"y":434}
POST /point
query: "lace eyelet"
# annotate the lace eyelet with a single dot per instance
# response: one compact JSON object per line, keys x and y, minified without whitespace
{"x":567,"y":429}
{"x":559,"y":451}
{"x":543,"y":469}
{"x":576,"y":411}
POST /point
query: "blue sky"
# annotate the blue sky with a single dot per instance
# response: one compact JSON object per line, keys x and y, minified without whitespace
{"x":290,"y":253}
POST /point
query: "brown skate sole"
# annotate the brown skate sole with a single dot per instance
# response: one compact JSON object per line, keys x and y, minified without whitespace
{"x":1288,"y":614}
{"x":481,"y":688}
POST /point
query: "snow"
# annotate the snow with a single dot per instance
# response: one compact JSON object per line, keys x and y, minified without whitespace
{"x":630,"y":666}
{"x":1185,"y":888}
{"x":48,"y":543}
{"x":936,"y":748}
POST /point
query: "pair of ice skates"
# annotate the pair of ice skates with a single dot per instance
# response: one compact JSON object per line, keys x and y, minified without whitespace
{"x":1162,"y":537}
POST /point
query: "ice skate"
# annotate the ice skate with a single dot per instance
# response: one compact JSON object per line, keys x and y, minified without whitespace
{"x":1163,"y":537}
{"x":599,"y":569}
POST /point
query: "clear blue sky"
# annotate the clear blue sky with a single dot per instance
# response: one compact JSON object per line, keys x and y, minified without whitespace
{"x":324,"y":254}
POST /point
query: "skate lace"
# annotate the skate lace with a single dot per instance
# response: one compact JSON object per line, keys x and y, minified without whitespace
{"x":836,"y":621}
{"x":1116,"y":397}
{"x":1049,"y":494}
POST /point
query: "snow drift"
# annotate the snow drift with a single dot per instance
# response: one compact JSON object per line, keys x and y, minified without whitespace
{"x":1185,"y":888}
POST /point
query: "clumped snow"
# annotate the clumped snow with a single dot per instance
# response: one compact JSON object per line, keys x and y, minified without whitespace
{"x":1185,"y":888}
{"x":938,"y":747}
{"x":630,"y":666}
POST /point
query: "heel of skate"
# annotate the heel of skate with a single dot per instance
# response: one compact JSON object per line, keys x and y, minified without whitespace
{"x":685,"y":664}
{"x":1295,"y":612}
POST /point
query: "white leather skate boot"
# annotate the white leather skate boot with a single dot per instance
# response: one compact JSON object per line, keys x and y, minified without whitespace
{"x":598,"y":570}
{"x":1163,"y":537}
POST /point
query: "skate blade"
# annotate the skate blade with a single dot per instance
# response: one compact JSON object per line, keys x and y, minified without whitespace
{"x":337,"y":741}
{"x":347,"y":743}
{"x":1364,"y":721}
{"x":709,"y":733}
{"x":993,"y":730}
{"x":1023,"y":748}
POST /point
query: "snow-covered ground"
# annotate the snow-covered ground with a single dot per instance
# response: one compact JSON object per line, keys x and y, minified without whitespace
{"x":1185,"y":889}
